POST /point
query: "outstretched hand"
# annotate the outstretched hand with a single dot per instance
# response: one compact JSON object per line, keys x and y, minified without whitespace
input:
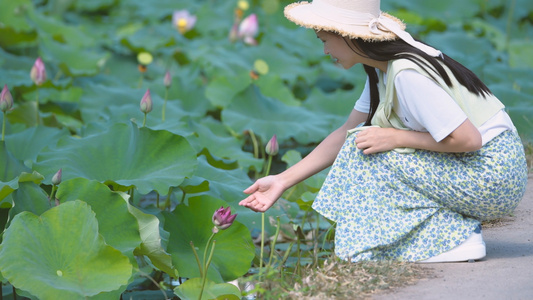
{"x":263,"y":194}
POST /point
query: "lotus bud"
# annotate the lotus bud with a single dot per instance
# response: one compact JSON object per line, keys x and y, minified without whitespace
{"x":222,"y":218}
{"x":183,"y":20}
{"x":248,"y":29}
{"x":38,"y":72}
{"x":167,"y":80}
{"x":146,"y":102}
{"x":6,"y":100}
{"x":272,"y":146}
{"x":57,"y":177}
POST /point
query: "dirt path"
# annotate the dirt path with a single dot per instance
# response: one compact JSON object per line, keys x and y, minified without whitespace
{"x":505,"y":273}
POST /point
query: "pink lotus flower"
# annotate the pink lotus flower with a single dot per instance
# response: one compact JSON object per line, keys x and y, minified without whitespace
{"x":6,"y":100}
{"x":272,"y":146}
{"x":248,"y":29}
{"x":167,"y":81}
{"x":38,"y":72}
{"x":146,"y":102}
{"x":183,"y":20}
{"x":222,"y":218}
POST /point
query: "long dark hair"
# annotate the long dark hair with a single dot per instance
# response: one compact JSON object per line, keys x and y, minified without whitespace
{"x":390,"y":50}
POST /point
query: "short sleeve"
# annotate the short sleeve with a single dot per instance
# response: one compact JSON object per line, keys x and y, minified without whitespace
{"x":363,"y":104}
{"x":425,"y":106}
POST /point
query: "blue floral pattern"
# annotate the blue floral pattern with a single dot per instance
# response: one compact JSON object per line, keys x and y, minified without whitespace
{"x":411,"y":207}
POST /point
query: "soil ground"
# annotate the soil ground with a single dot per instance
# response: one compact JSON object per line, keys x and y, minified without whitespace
{"x":505,"y":273}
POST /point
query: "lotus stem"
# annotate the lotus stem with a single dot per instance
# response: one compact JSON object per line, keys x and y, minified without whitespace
{"x":273,"y":246}
{"x":269,"y":164}
{"x":144,"y":120}
{"x":52,"y":194}
{"x":204,"y":279}
{"x":205,"y":252}
{"x":255,"y":146}
{"x":4,"y":126}
{"x":197,"y":259}
{"x":254,"y":143}
{"x":37,"y":117}
{"x":164,"y":105}
{"x":262,"y":244}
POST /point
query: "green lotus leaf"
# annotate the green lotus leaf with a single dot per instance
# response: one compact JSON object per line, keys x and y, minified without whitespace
{"x":219,"y":59}
{"x":73,"y":61}
{"x":234,"y":249}
{"x":29,"y":197}
{"x":519,"y":109}
{"x":228,"y":184}
{"x":115,"y":223}
{"x":13,"y":172}
{"x":520,"y":53}
{"x":282,"y":62}
{"x":210,"y":134}
{"x":251,"y":110}
{"x":221,"y":90}
{"x":334,"y":107}
{"x":150,"y":38}
{"x":190,"y":290}
{"x":471,"y":52}
{"x":94,"y":5}
{"x":124,"y":156}
{"x":145,"y":10}
{"x":151,"y":241}
{"x":27,"y":144}
{"x":18,"y":21}
{"x":122,"y":225}
{"x":60,"y":254}
{"x":272,"y":86}
{"x":445,"y":10}
{"x":120,"y":104}
{"x":71,"y":35}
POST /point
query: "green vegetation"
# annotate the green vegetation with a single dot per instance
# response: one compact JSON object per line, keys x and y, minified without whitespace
{"x":140,"y":181}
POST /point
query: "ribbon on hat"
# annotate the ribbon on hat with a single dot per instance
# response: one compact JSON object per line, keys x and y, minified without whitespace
{"x":385,"y":24}
{"x":375,"y":24}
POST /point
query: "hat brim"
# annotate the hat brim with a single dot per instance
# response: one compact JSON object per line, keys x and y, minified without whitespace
{"x":301,"y":14}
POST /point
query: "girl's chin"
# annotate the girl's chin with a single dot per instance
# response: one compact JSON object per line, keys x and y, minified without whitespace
{"x":340,"y":65}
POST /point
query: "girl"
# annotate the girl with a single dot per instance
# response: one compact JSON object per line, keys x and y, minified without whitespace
{"x":436,"y":156}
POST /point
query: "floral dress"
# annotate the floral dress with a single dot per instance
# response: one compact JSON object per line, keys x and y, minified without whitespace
{"x":413,"y":206}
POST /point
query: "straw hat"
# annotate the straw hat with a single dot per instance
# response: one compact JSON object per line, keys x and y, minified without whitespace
{"x":353,"y":19}
{"x":349,"y":18}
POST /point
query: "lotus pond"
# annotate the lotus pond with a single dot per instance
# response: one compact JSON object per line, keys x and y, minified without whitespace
{"x":156,"y":115}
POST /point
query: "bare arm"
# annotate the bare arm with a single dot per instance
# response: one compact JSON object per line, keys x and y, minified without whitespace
{"x":464,"y":138}
{"x":266,"y":191}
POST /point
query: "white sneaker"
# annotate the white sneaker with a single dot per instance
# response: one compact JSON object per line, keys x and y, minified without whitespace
{"x":473,"y":248}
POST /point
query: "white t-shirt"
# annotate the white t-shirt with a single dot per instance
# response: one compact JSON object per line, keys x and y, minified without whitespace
{"x":426,"y":107}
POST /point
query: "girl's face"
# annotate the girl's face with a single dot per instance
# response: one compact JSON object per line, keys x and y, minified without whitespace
{"x":336,"y":47}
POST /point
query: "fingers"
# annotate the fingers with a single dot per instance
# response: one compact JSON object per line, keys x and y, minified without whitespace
{"x":252,"y":203}
{"x":251,"y":189}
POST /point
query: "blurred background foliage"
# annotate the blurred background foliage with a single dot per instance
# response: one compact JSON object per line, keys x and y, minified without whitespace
{"x":226,"y":97}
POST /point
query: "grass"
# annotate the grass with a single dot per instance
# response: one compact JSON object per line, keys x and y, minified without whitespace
{"x":338,"y":279}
